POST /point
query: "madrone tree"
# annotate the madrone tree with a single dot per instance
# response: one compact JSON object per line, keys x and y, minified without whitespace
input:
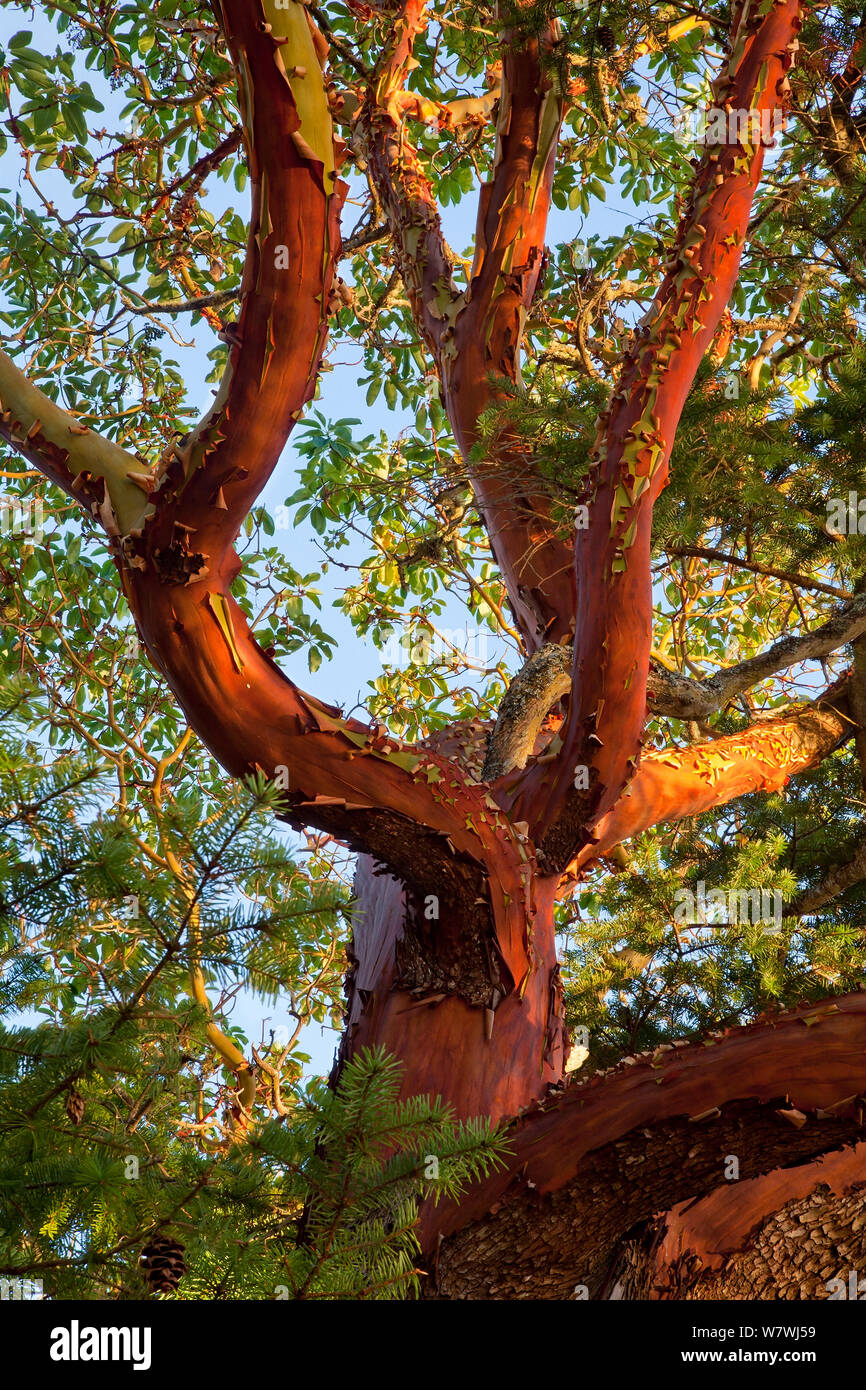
{"x":635,"y":456}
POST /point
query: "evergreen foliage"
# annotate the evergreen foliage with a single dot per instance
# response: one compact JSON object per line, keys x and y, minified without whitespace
{"x":98,"y":937}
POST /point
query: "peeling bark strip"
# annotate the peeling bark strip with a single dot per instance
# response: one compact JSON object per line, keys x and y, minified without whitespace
{"x":605,"y":1154}
{"x":812,"y":1248}
{"x":636,"y":434}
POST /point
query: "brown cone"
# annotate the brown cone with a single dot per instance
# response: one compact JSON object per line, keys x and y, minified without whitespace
{"x":163,"y":1264}
{"x":606,"y":38}
{"x":75,"y":1107}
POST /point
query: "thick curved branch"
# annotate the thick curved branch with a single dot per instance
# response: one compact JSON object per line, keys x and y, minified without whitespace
{"x":543,"y":680}
{"x":209,"y":480}
{"x":674,"y":783}
{"x":409,"y":807}
{"x":534,"y":558}
{"x":636,"y":435}
{"x":402,"y":187}
{"x":370,"y":790}
{"x":174,"y":536}
{"x":607,"y":1153}
{"x":206,"y":484}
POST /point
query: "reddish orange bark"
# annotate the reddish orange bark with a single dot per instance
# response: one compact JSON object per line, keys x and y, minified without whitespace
{"x":671,"y":784}
{"x":723,"y":1222}
{"x":688,"y":1102}
{"x":490,"y":1055}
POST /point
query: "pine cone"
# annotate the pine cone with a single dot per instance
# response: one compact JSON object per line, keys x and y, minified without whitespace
{"x":163,"y":1264}
{"x":606,"y":38}
{"x":75,"y":1107}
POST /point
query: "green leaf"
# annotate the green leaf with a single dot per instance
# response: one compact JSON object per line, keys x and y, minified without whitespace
{"x":75,"y":122}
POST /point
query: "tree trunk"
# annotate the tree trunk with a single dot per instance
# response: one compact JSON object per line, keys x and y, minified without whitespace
{"x":434,"y":993}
